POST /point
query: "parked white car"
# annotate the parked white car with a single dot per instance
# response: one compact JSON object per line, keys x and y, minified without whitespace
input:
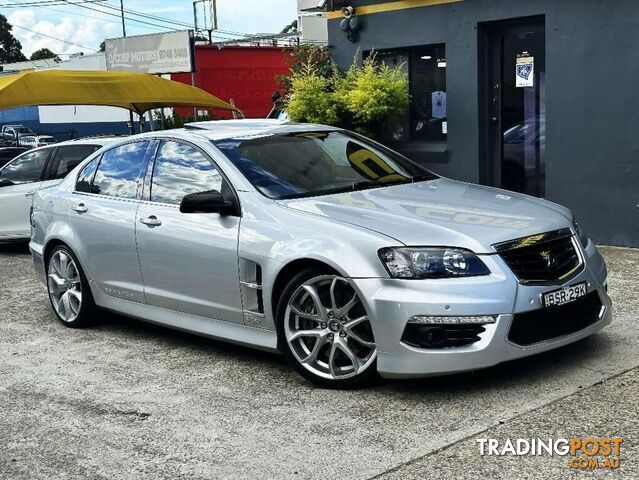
{"x":35,"y":141}
{"x":36,"y":169}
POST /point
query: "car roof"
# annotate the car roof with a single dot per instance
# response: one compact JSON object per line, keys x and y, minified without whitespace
{"x":102,"y":141}
{"x":87,"y":141}
{"x":223,"y":129}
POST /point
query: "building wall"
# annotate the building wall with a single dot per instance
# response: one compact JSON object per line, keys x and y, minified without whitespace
{"x":592,"y":105}
{"x":247,"y":75}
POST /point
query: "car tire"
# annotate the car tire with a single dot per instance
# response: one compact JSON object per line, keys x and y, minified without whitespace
{"x":68,"y":289}
{"x":331,"y":345}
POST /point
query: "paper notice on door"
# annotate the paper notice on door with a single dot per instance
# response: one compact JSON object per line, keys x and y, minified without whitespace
{"x":439,"y":104}
{"x":525,"y":72}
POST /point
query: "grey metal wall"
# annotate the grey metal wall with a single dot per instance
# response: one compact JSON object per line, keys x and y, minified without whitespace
{"x":592,"y":96}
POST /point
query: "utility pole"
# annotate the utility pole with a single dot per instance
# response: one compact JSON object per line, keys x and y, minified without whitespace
{"x":209,"y":24}
{"x":122,"y":13}
{"x":132,"y":127}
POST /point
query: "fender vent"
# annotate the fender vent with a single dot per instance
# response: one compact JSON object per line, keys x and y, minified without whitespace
{"x":251,"y":289}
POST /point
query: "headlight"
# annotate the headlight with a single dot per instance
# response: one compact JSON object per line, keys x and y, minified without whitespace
{"x":583,"y":238}
{"x":406,"y":262}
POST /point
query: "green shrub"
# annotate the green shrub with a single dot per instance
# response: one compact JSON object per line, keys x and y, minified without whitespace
{"x":310,"y":99}
{"x":361,"y":98}
{"x":375,"y":92}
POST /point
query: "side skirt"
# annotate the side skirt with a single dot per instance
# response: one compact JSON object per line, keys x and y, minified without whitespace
{"x":202,"y":326}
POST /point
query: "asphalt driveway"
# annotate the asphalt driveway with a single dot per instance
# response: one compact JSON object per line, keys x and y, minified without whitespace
{"x":128,"y":400}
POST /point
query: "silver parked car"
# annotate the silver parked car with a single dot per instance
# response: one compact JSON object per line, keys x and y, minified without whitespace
{"x":345,"y":256}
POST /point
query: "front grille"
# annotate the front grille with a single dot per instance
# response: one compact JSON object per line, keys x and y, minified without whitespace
{"x":441,"y":335}
{"x":547,"y":323}
{"x":544,"y":258}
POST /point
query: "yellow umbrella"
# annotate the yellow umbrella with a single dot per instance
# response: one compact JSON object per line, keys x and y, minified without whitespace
{"x":138,"y":92}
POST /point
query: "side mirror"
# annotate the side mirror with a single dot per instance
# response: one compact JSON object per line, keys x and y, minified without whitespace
{"x":5,"y":183}
{"x":206,"y":202}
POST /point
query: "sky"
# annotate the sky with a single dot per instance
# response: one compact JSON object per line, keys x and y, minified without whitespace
{"x":85,"y":27}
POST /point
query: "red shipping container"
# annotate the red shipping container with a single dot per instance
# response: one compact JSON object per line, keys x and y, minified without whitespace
{"x":248,"y":75}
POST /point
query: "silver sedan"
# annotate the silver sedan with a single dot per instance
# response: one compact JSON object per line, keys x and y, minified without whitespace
{"x":341,"y":254}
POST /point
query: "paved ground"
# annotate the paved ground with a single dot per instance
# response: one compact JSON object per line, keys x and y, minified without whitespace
{"x":127,"y":400}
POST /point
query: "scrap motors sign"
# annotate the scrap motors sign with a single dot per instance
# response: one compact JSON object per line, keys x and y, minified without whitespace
{"x":158,"y":53}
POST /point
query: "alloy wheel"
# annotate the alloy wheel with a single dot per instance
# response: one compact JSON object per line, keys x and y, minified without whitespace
{"x":328,"y":329}
{"x":65,"y":287}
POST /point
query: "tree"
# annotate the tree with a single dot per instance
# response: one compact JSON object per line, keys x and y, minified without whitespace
{"x":290,"y":28}
{"x":10,"y":48}
{"x":43,"y":54}
{"x":102,"y":46}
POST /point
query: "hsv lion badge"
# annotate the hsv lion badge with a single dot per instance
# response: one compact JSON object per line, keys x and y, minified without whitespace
{"x":548,"y":258}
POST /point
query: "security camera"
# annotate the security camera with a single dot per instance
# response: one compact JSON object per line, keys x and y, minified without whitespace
{"x":354,"y":24}
{"x":348,"y":12}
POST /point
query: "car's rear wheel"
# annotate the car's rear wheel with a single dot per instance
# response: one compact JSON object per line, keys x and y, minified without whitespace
{"x":68,"y":288}
{"x":325,"y":331}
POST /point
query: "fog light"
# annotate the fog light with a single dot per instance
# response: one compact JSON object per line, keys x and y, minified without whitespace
{"x":446,"y":320}
{"x":431,"y":336}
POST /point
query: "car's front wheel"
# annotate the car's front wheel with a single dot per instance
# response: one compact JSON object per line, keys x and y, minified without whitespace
{"x":325,"y":331}
{"x":68,"y":289}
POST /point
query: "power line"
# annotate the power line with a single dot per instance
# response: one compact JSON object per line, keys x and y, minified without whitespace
{"x":43,"y":3}
{"x":218,"y":32}
{"x":215,"y":33}
{"x":224,"y":35}
{"x":116,"y":15}
{"x":95,"y":17}
{"x":53,"y":38}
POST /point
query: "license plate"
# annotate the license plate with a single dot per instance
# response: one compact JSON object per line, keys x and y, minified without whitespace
{"x":564,"y":295}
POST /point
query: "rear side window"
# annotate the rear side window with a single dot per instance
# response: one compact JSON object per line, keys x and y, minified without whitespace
{"x":68,"y":157}
{"x":119,"y":171}
{"x":86,"y":176}
{"x":25,"y":169}
{"x":179,"y":170}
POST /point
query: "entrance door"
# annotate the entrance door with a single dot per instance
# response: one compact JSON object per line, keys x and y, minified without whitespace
{"x":517,"y":106}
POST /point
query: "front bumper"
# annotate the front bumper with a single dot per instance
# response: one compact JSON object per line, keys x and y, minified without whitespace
{"x":391,"y":302}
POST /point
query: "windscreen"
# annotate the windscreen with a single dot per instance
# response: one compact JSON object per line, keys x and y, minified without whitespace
{"x":303,"y":164}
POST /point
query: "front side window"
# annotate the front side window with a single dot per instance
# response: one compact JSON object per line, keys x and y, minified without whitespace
{"x":119,"y":171}
{"x":179,"y":170}
{"x":304,"y":164}
{"x":25,"y":169}
{"x":68,"y":157}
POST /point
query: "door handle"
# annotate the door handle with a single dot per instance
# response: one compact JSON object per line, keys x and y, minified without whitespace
{"x":29,"y":194}
{"x":80,"y":208}
{"x":151,"y":221}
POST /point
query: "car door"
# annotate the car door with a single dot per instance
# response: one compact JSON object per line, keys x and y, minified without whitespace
{"x":103,"y":216}
{"x":19,"y":179}
{"x":189,"y":260}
